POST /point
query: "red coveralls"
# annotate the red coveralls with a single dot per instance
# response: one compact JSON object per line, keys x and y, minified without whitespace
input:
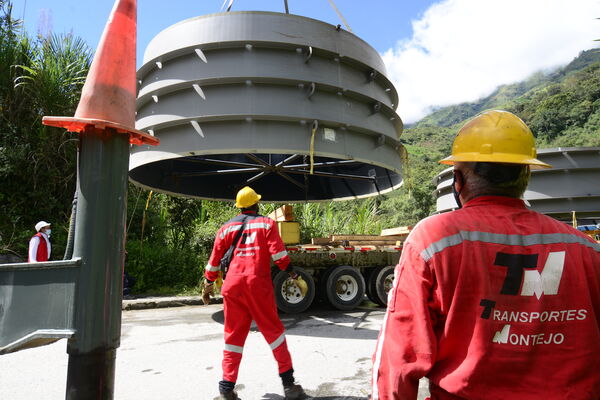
{"x":493,"y":301}
{"x":248,"y":290}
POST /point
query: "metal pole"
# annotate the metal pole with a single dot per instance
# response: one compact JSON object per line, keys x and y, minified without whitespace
{"x":99,"y":242}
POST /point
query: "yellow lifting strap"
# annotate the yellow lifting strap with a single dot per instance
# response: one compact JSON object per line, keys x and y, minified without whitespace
{"x":315,"y":126}
{"x":219,"y":281}
{"x":144,"y":214}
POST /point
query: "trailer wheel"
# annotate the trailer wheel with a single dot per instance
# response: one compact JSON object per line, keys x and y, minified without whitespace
{"x":345,"y":287}
{"x":322,"y":284}
{"x":287,"y":294}
{"x":380,"y":283}
{"x":370,"y":279}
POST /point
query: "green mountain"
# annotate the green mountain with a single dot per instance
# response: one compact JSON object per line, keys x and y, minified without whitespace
{"x":573,"y":81}
{"x":562,"y":108}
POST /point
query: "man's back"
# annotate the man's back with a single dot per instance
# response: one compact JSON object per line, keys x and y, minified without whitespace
{"x":514,"y":304}
{"x":259,"y":243}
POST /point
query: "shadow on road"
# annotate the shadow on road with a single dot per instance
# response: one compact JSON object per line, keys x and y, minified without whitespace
{"x":273,"y":396}
{"x":321,"y":321}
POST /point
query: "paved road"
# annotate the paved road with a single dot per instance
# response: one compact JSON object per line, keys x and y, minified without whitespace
{"x":175,"y":353}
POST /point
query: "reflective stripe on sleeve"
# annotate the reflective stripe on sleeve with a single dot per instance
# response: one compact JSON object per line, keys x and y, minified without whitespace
{"x":279,"y":255}
{"x":277,"y":342}
{"x":213,"y":268}
{"x":499,"y":238}
{"x":233,"y":348}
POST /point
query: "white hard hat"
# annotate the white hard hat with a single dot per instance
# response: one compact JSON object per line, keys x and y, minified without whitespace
{"x":41,"y":224}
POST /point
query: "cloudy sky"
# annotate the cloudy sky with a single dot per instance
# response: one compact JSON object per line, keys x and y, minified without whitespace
{"x":461,"y":50}
{"x":437,"y":53}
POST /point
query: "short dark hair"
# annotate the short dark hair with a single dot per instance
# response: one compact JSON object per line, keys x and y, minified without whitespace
{"x":498,"y":179}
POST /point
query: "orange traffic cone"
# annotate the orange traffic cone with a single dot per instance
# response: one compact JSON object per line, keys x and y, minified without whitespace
{"x":108,"y":95}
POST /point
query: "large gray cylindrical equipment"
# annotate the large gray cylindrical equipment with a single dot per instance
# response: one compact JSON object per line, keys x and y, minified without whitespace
{"x":572,"y":184}
{"x":260,"y":98}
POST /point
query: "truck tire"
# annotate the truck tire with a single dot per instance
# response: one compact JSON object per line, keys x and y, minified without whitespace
{"x":379,"y":284}
{"x":287,"y":294}
{"x":322,"y":285}
{"x":370,"y":279}
{"x":345,"y":287}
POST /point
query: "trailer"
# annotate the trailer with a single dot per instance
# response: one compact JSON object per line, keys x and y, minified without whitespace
{"x":339,"y":270}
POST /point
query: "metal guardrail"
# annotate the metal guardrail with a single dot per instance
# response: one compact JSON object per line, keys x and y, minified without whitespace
{"x":76,"y":262}
{"x":36,"y":303}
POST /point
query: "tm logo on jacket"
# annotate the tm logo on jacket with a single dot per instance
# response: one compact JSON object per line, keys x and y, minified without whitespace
{"x":523,"y":268}
{"x":523,"y":279}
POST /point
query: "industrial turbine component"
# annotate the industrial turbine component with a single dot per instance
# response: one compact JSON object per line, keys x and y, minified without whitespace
{"x":571,"y":185}
{"x":297,"y":108}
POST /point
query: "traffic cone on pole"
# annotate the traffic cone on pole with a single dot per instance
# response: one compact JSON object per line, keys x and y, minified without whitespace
{"x":108,"y":95}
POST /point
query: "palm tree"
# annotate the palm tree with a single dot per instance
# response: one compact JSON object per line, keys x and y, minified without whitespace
{"x":39,"y":76}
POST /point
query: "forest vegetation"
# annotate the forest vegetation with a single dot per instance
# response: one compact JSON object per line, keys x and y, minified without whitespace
{"x":170,"y":238}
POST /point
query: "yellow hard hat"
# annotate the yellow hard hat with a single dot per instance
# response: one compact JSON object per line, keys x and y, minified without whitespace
{"x":495,"y":136}
{"x":246,"y":197}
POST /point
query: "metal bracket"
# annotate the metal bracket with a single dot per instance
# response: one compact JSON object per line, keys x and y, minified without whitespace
{"x":376,"y":107}
{"x":311,"y":89}
{"x":315,"y":125}
{"x":308,"y":54}
{"x":371,"y":75}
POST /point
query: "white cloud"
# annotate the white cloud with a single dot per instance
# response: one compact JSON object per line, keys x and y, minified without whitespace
{"x":461,"y":50}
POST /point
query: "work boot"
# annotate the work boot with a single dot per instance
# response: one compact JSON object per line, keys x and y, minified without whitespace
{"x":229,"y":395}
{"x":294,"y":392}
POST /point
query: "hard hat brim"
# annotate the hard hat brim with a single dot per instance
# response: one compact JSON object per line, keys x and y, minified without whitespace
{"x":504,"y":158}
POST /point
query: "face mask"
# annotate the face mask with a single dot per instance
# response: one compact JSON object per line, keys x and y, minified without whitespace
{"x":455,"y":193}
{"x":48,"y":232}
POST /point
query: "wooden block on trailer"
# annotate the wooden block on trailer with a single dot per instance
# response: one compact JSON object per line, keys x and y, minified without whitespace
{"x":320,"y":240}
{"x":283,"y":213}
{"x":401,"y":230}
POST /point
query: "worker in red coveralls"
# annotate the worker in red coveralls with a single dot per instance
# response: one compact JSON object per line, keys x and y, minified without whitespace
{"x":492,"y":301}
{"x":248,"y":291}
{"x":39,"y":245}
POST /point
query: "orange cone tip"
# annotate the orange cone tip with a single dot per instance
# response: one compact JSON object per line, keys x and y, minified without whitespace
{"x":108,"y":95}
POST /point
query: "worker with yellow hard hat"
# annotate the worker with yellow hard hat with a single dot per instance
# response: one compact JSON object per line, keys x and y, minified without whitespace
{"x":243,"y":249}
{"x":246,"y":197}
{"x":493,"y":138}
{"x":492,"y":300}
